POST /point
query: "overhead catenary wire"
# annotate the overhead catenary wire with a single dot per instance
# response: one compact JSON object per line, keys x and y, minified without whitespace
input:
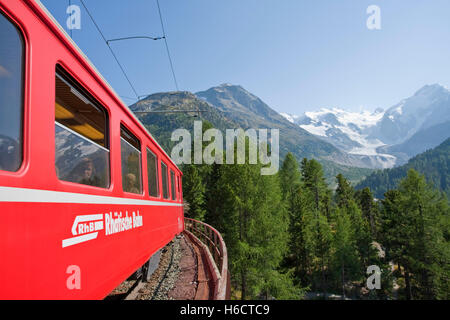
{"x":167,"y":46}
{"x":135,"y":37}
{"x":107,"y":42}
{"x":129,"y":98}
{"x":112,"y":52}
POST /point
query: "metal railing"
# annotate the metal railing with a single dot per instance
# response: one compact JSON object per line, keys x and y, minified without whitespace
{"x":213,"y":241}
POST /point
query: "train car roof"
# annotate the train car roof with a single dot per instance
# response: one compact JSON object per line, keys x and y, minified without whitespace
{"x":69,"y":42}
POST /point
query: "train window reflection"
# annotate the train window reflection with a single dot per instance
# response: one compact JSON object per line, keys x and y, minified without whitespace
{"x":11,"y":95}
{"x":82,"y":155}
{"x":131,"y":162}
{"x":172,"y":185}
{"x":179,"y":188}
{"x":152,"y":168}
{"x":165,"y":182}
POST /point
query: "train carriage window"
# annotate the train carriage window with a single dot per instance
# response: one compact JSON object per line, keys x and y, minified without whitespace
{"x":172,"y":185}
{"x":179,"y":187}
{"x":131,"y":162}
{"x":165,"y":182}
{"x":152,"y":168}
{"x":11,"y":95}
{"x":82,"y":150}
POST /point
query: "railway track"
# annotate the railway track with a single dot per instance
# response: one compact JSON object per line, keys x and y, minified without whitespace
{"x":181,"y":275}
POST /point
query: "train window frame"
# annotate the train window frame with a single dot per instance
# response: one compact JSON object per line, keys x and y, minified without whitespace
{"x":166,"y":175}
{"x":150,"y":188}
{"x":179,"y":187}
{"x":173,"y":188}
{"x":138,"y":148}
{"x":80,"y":92}
{"x":20,"y":156}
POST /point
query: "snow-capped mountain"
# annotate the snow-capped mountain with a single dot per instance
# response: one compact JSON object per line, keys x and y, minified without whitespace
{"x":426,"y":108}
{"x":290,"y":117}
{"x":349,"y":131}
{"x":379,"y":137}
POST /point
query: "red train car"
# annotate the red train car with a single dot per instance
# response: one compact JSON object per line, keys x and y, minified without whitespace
{"x":86,"y":194}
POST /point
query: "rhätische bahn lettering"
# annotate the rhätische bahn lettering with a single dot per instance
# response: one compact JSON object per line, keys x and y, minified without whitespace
{"x":115,"y":223}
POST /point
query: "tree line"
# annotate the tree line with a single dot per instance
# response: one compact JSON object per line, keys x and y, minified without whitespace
{"x":290,"y":236}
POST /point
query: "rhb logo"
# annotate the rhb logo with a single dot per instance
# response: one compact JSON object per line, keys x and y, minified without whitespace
{"x":87,"y":227}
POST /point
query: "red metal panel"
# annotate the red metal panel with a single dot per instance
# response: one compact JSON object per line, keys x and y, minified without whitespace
{"x":34,"y":261}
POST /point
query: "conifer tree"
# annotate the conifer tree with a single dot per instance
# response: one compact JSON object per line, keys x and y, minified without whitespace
{"x":346,"y":264}
{"x":194,"y":192}
{"x":369,"y":209}
{"x":289,"y":176}
{"x":213,"y":196}
{"x":317,"y":230}
{"x":255,"y":228}
{"x":344,"y":191}
{"x":413,"y":220}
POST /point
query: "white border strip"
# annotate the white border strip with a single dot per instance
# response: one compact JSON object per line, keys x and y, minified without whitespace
{"x":8,"y":194}
{"x":76,"y":240}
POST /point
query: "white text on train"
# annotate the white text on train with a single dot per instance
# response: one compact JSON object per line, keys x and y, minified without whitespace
{"x":116,"y":222}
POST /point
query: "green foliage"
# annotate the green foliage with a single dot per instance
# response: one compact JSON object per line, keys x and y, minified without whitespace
{"x":344,"y":192}
{"x":345,"y":263}
{"x":287,"y":233}
{"x":248,"y":209}
{"x":414,"y":219}
{"x":194,"y":193}
{"x":289,"y":175}
{"x":255,"y":230}
{"x":369,"y":208}
{"x":353,"y":174}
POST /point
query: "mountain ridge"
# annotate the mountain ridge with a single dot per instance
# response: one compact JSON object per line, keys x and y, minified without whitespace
{"x":249,"y":111}
{"x":385,"y":137}
{"x":299,"y":141}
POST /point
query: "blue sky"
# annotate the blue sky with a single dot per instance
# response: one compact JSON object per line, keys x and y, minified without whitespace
{"x":296,"y":55}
